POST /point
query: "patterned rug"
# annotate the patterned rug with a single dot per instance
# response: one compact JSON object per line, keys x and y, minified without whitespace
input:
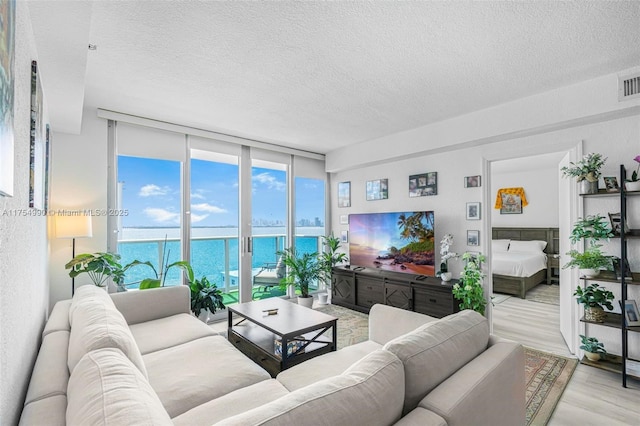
{"x":543,"y":293}
{"x":547,"y":375}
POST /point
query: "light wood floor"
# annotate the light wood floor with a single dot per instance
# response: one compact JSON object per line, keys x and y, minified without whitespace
{"x":593,"y":396}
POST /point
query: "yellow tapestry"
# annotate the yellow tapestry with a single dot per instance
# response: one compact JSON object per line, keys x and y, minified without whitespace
{"x":510,"y":191}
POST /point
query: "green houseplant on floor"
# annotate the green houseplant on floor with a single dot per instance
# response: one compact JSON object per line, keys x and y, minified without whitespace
{"x":302,"y":270}
{"x":469,"y":290}
{"x":206,"y":298}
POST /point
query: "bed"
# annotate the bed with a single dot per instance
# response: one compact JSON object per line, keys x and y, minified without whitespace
{"x":520,"y":258}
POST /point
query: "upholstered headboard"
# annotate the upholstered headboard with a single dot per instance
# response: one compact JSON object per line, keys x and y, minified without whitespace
{"x":550,"y":235}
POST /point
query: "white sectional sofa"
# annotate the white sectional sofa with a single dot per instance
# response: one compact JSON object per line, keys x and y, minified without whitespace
{"x":140,"y":358}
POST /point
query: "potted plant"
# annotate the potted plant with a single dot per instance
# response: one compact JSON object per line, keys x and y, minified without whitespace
{"x":589,"y":262}
{"x":469,"y":290}
{"x":99,"y":266}
{"x":593,"y":349}
{"x":586,"y":172}
{"x":301,"y":272}
{"x":206,"y":298}
{"x":633,"y":184}
{"x":328,"y":259}
{"x":594,"y":297}
{"x":592,"y":227}
{"x":445,"y":255}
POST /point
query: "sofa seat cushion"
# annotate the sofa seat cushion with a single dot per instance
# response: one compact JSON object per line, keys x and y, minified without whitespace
{"x":231,"y":404}
{"x":370,"y":392}
{"x":50,"y":411}
{"x":105,"y":388}
{"x":196,"y":372}
{"x":436,"y":350}
{"x":166,"y":332}
{"x":325,"y":366}
{"x":50,"y":374}
{"x":96,"y":326}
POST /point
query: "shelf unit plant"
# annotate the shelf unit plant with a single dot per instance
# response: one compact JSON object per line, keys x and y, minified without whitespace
{"x":613,"y":362}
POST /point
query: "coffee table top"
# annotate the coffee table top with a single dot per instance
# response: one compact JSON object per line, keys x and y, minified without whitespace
{"x":290,"y":319}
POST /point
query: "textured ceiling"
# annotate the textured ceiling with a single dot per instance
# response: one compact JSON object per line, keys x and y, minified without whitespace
{"x":322,"y":75}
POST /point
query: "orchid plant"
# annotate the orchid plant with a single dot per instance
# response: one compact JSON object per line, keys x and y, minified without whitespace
{"x":445,"y":254}
{"x":634,"y":175}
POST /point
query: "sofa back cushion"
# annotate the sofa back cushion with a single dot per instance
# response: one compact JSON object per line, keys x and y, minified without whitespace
{"x":98,"y":325}
{"x":436,"y":350}
{"x":89,"y":294}
{"x":105,"y":388}
{"x":370,"y":392}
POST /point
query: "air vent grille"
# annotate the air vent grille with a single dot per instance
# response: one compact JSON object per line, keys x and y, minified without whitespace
{"x":628,"y":87}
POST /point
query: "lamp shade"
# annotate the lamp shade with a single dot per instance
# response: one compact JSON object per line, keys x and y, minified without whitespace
{"x":73,"y":226}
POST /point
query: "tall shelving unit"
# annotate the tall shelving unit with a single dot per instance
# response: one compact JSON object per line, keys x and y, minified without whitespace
{"x":615,"y":363}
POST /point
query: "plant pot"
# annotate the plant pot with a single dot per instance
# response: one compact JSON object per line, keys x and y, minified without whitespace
{"x":589,"y":273}
{"x":592,"y":356}
{"x":204,"y":315}
{"x":632,"y":186}
{"x":322,"y":298}
{"x":587,"y":187}
{"x":307,"y":302}
{"x":594,"y":314}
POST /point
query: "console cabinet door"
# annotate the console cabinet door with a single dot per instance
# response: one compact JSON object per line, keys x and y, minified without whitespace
{"x":434,"y":302}
{"x":343,"y":288}
{"x":397,"y":295}
{"x":370,"y":291}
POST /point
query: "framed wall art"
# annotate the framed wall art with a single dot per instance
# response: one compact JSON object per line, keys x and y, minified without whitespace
{"x":344,"y":219}
{"x":344,"y":236}
{"x":472,"y":181}
{"x":37,"y":142}
{"x":631,"y":314}
{"x":473,"y":211}
{"x":473,"y":238}
{"x":7,"y":78}
{"x":511,"y":204}
{"x":344,"y":194}
{"x":377,"y":189}
{"x":423,"y":184}
{"x":611,"y":184}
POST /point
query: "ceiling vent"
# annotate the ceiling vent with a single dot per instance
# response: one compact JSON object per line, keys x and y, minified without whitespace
{"x":629,"y":86}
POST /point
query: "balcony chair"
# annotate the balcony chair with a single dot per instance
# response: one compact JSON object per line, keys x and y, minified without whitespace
{"x":269,"y":276}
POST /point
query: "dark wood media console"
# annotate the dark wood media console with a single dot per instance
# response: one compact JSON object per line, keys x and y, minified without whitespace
{"x":360,"y":288}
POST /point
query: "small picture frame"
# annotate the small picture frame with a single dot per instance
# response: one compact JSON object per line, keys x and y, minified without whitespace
{"x":617,"y":268}
{"x":511,"y":204}
{"x":377,"y":189}
{"x":616,"y":223}
{"x":473,"y":211}
{"x":472,"y":181}
{"x":344,"y":194}
{"x":423,"y":184}
{"x":473,"y":238}
{"x":344,"y":236}
{"x":611,"y":184}
{"x":344,"y":219}
{"x":631,"y":314}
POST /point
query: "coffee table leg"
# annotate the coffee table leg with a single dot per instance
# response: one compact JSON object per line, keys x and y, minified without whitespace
{"x":335,"y":336}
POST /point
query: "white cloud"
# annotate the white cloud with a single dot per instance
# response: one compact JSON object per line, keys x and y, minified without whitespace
{"x":206,"y":207}
{"x":162,"y":215}
{"x":270,"y":181}
{"x":153,"y":190}
{"x":197,"y":196}
{"x":195,"y":218}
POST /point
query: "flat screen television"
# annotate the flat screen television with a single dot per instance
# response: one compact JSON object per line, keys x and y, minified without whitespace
{"x":401,"y":241}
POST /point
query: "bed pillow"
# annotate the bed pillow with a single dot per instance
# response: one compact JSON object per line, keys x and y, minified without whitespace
{"x":500,"y":245}
{"x":534,"y":246}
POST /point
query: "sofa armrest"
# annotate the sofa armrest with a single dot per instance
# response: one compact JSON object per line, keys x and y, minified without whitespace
{"x":386,"y":322}
{"x":145,"y":305}
{"x":421,"y":417}
{"x":489,"y":390}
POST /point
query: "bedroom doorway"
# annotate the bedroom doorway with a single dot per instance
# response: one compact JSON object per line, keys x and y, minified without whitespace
{"x":550,"y":205}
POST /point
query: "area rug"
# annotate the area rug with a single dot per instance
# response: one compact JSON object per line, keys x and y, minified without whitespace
{"x":498,"y":298}
{"x":543,"y":293}
{"x":547,"y":375}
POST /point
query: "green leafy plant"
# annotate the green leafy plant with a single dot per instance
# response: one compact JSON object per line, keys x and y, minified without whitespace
{"x":301,"y":270}
{"x":469,"y":290}
{"x":204,"y":295}
{"x":634,"y":175}
{"x":591,"y":344}
{"x":588,"y":168}
{"x":158,"y":279}
{"x":594,"y":296}
{"x":330,"y":257}
{"x":592,"y":227}
{"x":591,"y":258}
{"x":99,"y":266}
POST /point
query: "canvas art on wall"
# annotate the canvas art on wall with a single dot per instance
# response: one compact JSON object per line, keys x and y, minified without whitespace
{"x":37,"y":143}
{"x":377,"y":189}
{"x":344,"y":194}
{"x":423,"y":184}
{"x":7,"y":54}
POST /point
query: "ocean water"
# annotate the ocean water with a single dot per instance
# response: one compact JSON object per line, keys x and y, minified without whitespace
{"x":211,"y":249}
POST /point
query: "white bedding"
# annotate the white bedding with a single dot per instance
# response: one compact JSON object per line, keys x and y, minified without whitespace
{"x":518,"y":264}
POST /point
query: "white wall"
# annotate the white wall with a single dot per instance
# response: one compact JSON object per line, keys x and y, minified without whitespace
{"x":24,"y":286}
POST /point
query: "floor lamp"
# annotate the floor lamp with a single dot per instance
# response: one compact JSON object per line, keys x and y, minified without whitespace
{"x":73,"y":227}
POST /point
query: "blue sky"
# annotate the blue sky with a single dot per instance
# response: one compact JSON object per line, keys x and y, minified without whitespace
{"x":151,"y":193}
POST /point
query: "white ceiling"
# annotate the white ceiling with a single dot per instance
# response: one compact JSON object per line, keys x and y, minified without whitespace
{"x":320,"y":75}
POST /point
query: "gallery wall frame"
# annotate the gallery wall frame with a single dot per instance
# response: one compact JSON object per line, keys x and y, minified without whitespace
{"x":377,"y":189}
{"x":344,"y":236}
{"x":424,"y":184}
{"x":473,"y":211}
{"x":344,"y":194}
{"x":7,"y":82}
{"x":473,"y":237}
{"x":472,"y":181}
